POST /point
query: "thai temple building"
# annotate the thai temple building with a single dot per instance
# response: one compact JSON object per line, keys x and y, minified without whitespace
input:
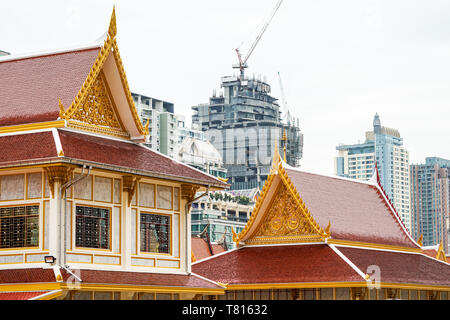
{"x":315,"y":237}
{"x":87,"y":211}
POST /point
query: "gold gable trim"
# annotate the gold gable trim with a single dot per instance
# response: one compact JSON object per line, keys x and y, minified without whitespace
{"x":287,"y":219}
{"x":441,"y":253}
{"x":284,"y":222}
{"x":91,"y":84}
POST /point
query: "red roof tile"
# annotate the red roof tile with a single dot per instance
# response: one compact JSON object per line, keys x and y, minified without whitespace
{"x":141,"y":279}
{"x":397,"y":267}
{"x":31,"y":275}
{"x":32,"y":86}
{"x":26,"y":147}
{"x":217,"y":248}
{"x":200,"y":248}
{"x":357,"y":211}
{"x":127,"y":155}
{"x":277,"y":264}
{"x":20,"y":295}
{"x":430,"y":252}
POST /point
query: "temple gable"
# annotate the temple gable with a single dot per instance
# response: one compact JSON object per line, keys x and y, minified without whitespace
{"x":104,"y":104}
{"x":280,"y":215}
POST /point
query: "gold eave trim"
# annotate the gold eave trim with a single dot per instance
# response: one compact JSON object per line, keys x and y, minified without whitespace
{"x":30,"y":287}
{"x":135,"y":288}
{"x":342,"y":284}
{"x":357,"y":244}
{"x":295,"y":285}
{"x":97,"y":129}
{"x":33,"y":126}
{"x":285,"y":240}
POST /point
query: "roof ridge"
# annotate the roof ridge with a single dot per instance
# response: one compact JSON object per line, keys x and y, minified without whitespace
{"x":50,"y":52}
{"x":395,"y":214}
{"x":289,"y":167}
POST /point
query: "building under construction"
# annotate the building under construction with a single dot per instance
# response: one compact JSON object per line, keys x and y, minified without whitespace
{"x":244,"y":124}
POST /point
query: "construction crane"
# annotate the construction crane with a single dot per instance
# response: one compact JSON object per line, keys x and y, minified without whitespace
{"x":243,"y":61}
{"x":287,"y":115}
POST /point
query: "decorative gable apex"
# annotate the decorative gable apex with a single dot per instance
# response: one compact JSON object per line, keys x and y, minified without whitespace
{"x":97,"y":108}
{"x":280,"y":215}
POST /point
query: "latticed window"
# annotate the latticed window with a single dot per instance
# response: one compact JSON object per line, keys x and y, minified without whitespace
{"x":155,"y":233}
{"x":92,"y":227}
{"x":19,"y":227}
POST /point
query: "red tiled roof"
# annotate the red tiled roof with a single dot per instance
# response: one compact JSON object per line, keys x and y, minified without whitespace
{"x":217,"y":248}
{"x":201,"y":250}
{"x":430,"y":252}
{"x":398,"y":267}
{"x":357,"y":211}
{"x":31,"y":275}
{"x":128,"y":155}
{"x":31,"y":87}
{"x":21,"y":295}
{"x":26,"y":147}
{"x":141,"y":279}
{"x":277,"y":264}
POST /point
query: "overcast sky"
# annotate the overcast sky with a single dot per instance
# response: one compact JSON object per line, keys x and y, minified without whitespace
{"x":340,"y":61}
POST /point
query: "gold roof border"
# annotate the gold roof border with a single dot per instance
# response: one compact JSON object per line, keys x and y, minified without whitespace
{"x":109,"y":45}
{"x":441,"y":253}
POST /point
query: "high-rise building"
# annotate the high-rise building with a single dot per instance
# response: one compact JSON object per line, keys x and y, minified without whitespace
{"x":430,"y":207}
{"x":163,"y":123}
{"x":188,"y":132}
{"x":385,"y":147}
{"x":244,"y":124}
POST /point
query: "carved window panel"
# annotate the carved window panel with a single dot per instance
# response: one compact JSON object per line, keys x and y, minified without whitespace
{"x":134,"y":231}
{"x":164,"y":197}
{"x":117,"y":191}
{"x":34,"y":185}
{"x":146,"y":195}
{"x":326,"y":294}
{"x":176,"y":199}
{"x":83,"y":188}
{"x":46,"y":223}
{"x":342,"y":294}
{"x":19,"y":226}
{"x":47,"y":191}
{"x":103,"y":189}
{"x":155,"y":233}
{"x":12,"y":187}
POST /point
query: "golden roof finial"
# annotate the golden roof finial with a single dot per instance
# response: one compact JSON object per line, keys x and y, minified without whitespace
{"x":275,"y":160}
{"x":441,"y":253}
{"x":420,"y":240}
{"x":112,"y":30}
{"x":61,"y":109}
{"x":284,"y":139}
{"x":327,"y":229}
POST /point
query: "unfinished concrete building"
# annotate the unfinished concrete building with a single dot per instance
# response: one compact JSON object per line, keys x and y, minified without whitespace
{"x":244,"y":124}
